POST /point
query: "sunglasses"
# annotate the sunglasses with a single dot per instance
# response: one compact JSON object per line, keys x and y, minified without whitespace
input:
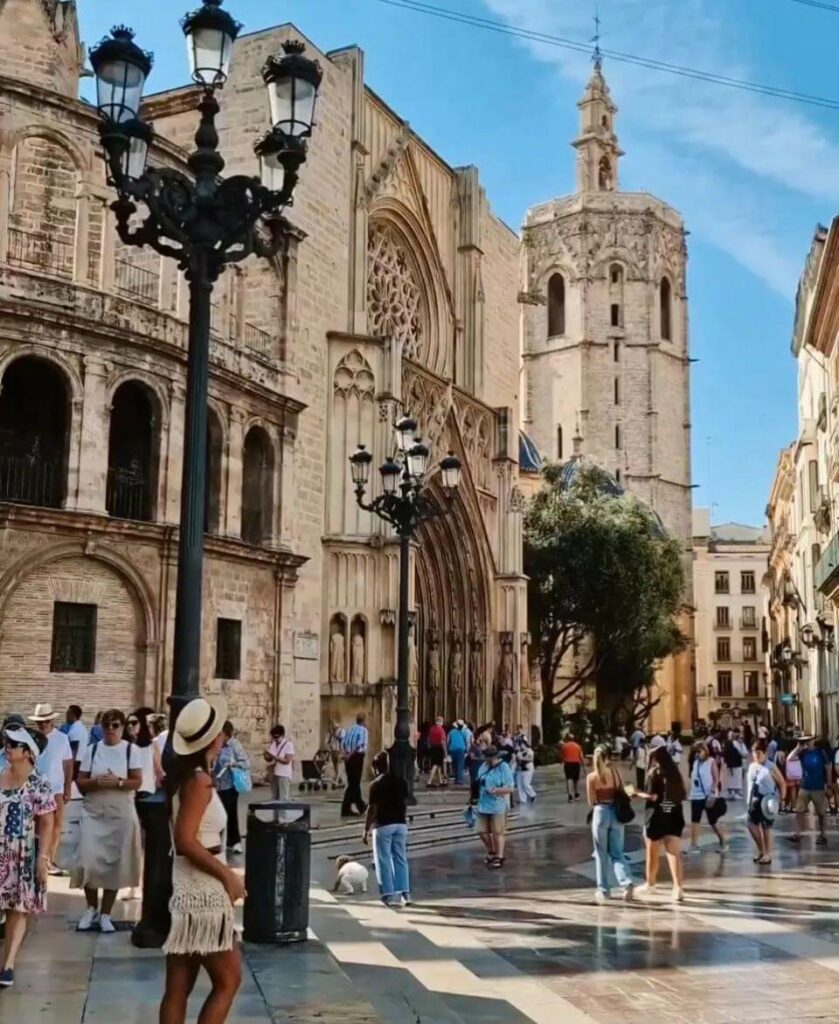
{"x":13,"y":744}
{"x":112,"y":725}
{"x":132,"y":721}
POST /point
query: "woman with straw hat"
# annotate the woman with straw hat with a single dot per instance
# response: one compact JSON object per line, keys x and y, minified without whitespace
{"x":204,"y":888}
{"x":27,"y":815}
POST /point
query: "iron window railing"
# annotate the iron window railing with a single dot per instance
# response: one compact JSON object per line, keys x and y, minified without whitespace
{"x":35,"y":250}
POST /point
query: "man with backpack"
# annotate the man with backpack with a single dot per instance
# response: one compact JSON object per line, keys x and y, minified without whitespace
{"x":458,"y":742}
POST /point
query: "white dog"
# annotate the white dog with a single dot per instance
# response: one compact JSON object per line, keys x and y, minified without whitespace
{"x":351,"y":876}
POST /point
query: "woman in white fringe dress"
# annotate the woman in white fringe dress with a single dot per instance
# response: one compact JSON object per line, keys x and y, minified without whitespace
{"x":204,"y":888}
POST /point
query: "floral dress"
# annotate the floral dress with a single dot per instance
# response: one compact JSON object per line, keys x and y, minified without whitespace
{"x":19,"y":889}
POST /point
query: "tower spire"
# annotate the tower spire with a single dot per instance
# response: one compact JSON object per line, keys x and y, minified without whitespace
{"x":597,"y":146}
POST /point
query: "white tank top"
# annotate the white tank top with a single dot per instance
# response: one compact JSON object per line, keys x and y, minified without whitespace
{"x":213,"y":827}
{"x":701,"y":779}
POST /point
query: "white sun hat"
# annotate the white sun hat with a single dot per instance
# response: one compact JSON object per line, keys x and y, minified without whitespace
{"x":198,"y":724}
{"x":43,"y":713}
{"x":21,"y":735}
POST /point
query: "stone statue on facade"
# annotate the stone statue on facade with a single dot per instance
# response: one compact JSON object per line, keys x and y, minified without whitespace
{"x":456,"y":674}
{"x":357,"y":660}
{"x":507,"y":666}
{"x":434,"y":663}
{"x":336,"y":658}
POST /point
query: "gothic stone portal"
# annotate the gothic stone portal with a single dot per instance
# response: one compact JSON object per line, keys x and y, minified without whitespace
{"x":452,"y":620}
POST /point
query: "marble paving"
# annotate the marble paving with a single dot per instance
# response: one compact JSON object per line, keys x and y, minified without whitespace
{"x":522,"y":945}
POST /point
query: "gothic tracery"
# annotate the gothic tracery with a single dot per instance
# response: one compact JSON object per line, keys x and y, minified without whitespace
{"x":395,"y":299}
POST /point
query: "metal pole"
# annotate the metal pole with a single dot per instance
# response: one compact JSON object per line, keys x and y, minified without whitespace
{"x":402,"y":754}
{"x":187,"y":654}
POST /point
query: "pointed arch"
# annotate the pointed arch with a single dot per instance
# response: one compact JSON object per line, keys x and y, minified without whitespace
{"x":665,"y":307}
{"x":556,"y":305}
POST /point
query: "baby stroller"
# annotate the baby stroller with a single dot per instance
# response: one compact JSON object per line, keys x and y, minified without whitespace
{"x":312,"y":776}
{"x":330,"y":769}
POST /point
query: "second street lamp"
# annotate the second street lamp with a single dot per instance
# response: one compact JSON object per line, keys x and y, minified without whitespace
{"x":404,"y":503}
{"x":204,"y":222}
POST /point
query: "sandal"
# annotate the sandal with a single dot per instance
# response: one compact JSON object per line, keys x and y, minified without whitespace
{"x":498,"y":862}
{"x":765,"y":860}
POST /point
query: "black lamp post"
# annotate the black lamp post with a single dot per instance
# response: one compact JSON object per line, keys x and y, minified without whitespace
{"x":405,"y":502}
{"x":204,"y":222}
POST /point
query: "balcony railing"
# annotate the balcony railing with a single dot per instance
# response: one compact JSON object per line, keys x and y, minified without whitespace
{"x":258,"y":341}
{"x":137,"y":282}
{"x":25,"y":480}
{"x":722,"y":625}
{"x":827,"y":570}
{"x":36,"y":251}
{"x":749,"y":623}
{"x":127,"y":496}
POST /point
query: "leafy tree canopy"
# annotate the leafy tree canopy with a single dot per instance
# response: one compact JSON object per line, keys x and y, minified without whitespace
{"x":605,"y":582}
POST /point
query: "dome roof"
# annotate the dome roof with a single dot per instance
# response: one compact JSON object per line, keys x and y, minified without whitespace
{"x":530,"y":461}
{"x":606,"y":485}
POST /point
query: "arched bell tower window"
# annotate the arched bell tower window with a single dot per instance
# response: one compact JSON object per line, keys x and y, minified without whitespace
{"x":665,"y":296}
{"x":556,"y":306}
{"x":604,"y":175}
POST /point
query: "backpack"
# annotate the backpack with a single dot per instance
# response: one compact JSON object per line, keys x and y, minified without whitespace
{"x":732,"y":756}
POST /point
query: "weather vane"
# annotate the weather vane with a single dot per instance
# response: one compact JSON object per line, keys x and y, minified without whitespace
{"x":597,"y":56}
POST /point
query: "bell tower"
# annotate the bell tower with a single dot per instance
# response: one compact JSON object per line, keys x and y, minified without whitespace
{"x":597,"y":146}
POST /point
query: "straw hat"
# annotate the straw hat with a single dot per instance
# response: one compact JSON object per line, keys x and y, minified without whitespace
{"x":43,"y":713}
{"x":198,"y":725}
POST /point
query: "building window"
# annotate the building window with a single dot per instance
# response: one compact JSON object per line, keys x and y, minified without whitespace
{"x":617,"y":437}
{"x":723,"y":684}
{"x":617,"y":391}
{"x":747,"y":582}
{"x":228,"y":648}
{"x":720,"y":582}
{"x":615,"y":315}
{"x":722,"y":615}
{"x":749,"y":617}
{"x":257,"y":487}
{"x":749,"y":648}
{"x":815,"y":558}
{"x":616,"y":273}
{"x":132,"y":453}
{"x":73,"y":637}
{"x":813,"y":481}
{"x":751,"y":684}
{"x":618,"y":475}
{"x":559,"y":443}
{"x":556,"y":305}
{"x":723,"y":648}
{"x":666,"y":307}
{"x":617,"y":352}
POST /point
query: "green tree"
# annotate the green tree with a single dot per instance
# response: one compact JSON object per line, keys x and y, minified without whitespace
{"x":606,"y":583}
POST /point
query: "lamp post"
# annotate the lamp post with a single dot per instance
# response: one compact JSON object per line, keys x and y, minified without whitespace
{"x":203,"y":221}
{"x":404,"y":503}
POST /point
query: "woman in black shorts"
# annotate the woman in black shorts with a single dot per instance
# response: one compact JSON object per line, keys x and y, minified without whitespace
{"x":665,"y":792}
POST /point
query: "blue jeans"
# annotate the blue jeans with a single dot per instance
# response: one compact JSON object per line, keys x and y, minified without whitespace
{"x":458,"y":761}
{"x":608,"y":835}
{"x":390,"y":857}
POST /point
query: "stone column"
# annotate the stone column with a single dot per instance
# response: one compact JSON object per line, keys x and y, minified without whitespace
{"x":235,"y":448}
{"x":285,"y":484}
{"x":170,"y":485}
{"x":89,"y":493}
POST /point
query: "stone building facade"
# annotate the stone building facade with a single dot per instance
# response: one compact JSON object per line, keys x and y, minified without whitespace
{"x":605,"y":343}
{"x":397,"y":289}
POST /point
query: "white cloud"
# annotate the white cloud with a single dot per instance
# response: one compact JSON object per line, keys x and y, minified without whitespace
{"x":729,"y":160}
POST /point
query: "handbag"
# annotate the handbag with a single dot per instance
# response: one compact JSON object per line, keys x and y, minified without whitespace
{"x":623,"y":805}
{"x":470,"y":817}
{"x":241,"y":779}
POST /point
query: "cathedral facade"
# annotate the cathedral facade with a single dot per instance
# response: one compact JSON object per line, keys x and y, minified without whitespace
{"x":605,"y":343}
{"x":397,"y":292}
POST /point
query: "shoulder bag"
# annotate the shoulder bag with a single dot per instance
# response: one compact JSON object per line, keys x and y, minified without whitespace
{"x":624,"y":811}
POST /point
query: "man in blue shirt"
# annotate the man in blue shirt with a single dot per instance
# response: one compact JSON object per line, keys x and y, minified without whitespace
{"x":354,"y":750}
{"x":815,"y":774}
{"x":495,"y":783}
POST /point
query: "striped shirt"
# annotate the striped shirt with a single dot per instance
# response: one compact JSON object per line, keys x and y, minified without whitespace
{"x":355,"y":740}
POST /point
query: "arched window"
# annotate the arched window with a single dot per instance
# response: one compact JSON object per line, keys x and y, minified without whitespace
{"x":604,"y":175}
{"x":615,"y":317}
{"x":666,"y":310}
{"x":616,"y":274}
{"x":556,"y":306}
{"x":212,"y":508}
{"x":132,"y":463}
{"x":617,"y":437}
{"x":257,"y":487}
{"x":559,"y":444}
{"x":34,"y":433}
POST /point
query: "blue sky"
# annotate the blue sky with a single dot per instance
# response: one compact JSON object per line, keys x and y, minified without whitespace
{"x":752,"y":175}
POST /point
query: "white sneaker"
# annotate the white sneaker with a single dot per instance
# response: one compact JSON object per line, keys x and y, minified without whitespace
{"x":237,"y":848}
{"x":89,"y":920}
{"x":600,"y":897}
{"x":678,"y":894}
{"x":645,"y":890}
{"x":725,"y":848}
{"x":691,"y":850}
{"x":106,"y":925}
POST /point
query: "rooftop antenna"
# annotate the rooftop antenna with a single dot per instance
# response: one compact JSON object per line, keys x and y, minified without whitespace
{"x":597,"y":56}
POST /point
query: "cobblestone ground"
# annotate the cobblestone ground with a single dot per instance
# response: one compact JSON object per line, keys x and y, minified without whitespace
{"x":522,"y":945}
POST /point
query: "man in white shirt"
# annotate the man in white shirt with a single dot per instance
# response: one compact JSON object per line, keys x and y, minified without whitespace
{"x":280,"y":756}
{"x":56,"y":765}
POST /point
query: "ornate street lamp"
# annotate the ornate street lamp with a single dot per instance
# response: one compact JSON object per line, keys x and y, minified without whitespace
{"x":203,"y":221}
{"x":404,"y":503}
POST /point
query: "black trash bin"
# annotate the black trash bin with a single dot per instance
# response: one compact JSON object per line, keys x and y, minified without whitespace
{"x":277,"y":871}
